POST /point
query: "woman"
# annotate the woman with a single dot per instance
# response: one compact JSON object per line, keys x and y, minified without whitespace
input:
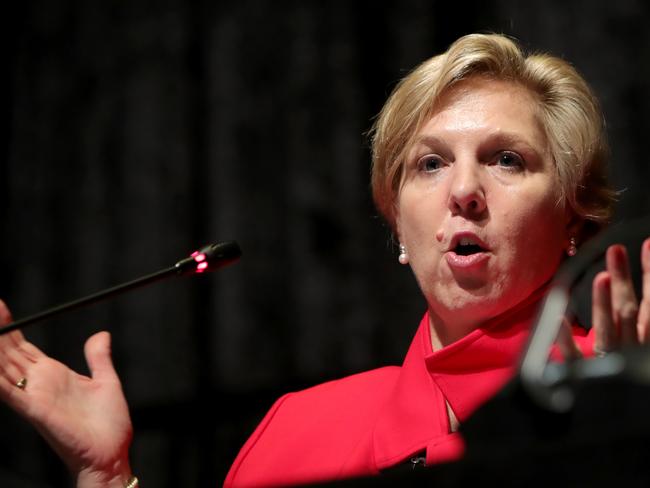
{"x":489,"y":166}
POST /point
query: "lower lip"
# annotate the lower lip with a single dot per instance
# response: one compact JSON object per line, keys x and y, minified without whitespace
{"x":459,"y":261}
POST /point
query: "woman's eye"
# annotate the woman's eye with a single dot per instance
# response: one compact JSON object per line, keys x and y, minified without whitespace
{"x":509,"y":160}
{"x":429,"y":164}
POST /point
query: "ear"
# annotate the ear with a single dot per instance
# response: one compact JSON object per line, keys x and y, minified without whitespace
{"x":574,"y":224}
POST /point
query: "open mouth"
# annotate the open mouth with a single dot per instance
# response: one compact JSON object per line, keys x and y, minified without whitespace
{"x":468,"y":253}
{"x":466,"y":246}
{"x":467,"y":249}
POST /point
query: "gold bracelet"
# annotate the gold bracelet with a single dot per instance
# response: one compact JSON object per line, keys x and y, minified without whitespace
{"x":132,"y":483}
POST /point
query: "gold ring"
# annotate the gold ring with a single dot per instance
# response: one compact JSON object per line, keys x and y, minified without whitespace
{"x":132,"y":483}
{"x":21,"y":383}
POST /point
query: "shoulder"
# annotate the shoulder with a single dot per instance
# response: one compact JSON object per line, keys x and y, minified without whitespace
{"x":364,"y":387}
{"x":343,"y":400}
{"x":318,"y":427}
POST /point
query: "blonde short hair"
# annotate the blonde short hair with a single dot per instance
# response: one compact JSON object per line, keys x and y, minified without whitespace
{"x":569,"y":112}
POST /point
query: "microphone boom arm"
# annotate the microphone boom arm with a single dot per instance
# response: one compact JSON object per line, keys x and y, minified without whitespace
{"x":208,"y":258}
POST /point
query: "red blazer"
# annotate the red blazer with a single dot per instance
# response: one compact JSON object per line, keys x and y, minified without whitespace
{"x":365,"y":423}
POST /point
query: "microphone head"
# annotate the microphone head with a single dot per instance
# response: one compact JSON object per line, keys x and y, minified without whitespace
{"x":210,"y":258}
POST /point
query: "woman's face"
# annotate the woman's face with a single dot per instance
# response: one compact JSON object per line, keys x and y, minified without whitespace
{"x":478,"y":206}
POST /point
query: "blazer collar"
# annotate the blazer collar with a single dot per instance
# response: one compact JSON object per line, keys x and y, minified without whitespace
{"x":465,"y":374}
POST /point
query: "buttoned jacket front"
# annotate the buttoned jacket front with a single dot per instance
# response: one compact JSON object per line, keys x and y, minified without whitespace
{"x":365,"y":423}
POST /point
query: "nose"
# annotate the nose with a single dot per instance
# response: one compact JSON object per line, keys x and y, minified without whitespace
{"x":466,"y":192}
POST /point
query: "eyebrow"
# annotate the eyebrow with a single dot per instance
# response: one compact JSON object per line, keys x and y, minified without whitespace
{"x":501,"y":137}
{"x":429,"y":141}
{"x":513,"y":139}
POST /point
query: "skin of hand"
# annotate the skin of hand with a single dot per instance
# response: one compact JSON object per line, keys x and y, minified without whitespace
{"x":85,"y":419}
{"x":618,"y":317}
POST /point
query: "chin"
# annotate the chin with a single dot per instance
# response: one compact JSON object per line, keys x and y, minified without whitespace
{"x":463,"y":299}
{"x":477,"y":300}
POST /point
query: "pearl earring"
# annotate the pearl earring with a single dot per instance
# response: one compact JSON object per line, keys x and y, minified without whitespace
{"x":572,"y":249}
{"x":403,"y":258}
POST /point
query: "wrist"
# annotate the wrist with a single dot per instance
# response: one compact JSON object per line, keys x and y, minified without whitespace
{"x":119,"y":476}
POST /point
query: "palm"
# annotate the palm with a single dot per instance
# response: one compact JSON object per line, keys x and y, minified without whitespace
{"x":85,"y":419}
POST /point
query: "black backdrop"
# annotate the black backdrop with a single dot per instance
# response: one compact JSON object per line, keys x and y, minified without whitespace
{"x":137,"y":131}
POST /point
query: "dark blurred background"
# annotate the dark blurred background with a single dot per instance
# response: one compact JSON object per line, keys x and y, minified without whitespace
{"x":137,"y":131}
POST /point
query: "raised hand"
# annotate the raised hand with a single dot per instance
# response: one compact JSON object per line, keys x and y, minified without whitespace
{"x":619,"y":319}
{"x":85,"y":419}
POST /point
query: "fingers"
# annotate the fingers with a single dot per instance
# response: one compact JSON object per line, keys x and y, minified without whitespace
{"x":618,"y":318}
{"x":17,"y":356}
{"x":98,"y":356}
{"x":13,"y":367}
{"x":11,"y":371}
{"x":11,"y":364}
{"x":605,"y":333}
{"x":15,"y":338}
{"x":625,"y":308}
{"x":5,"y":314}
{"x":643,"y":325}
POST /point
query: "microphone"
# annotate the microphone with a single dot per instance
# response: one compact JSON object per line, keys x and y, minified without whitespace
{"x":208,"y":258}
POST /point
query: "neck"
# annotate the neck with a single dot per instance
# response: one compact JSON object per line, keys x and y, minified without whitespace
{"x":444,"y":333}
{"x":455,"y":325}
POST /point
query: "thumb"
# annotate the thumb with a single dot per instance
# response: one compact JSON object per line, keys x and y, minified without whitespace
{"x":98,"y":356}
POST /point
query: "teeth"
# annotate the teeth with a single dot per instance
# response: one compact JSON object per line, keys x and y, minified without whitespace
{"x":466,"y":241}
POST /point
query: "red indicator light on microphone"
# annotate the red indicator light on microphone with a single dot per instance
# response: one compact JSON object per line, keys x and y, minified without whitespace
{"x":208,"y":258}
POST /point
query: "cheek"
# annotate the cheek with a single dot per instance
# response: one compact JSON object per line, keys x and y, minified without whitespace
{"x":419,"y":215}
{"x":536,"y":230}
